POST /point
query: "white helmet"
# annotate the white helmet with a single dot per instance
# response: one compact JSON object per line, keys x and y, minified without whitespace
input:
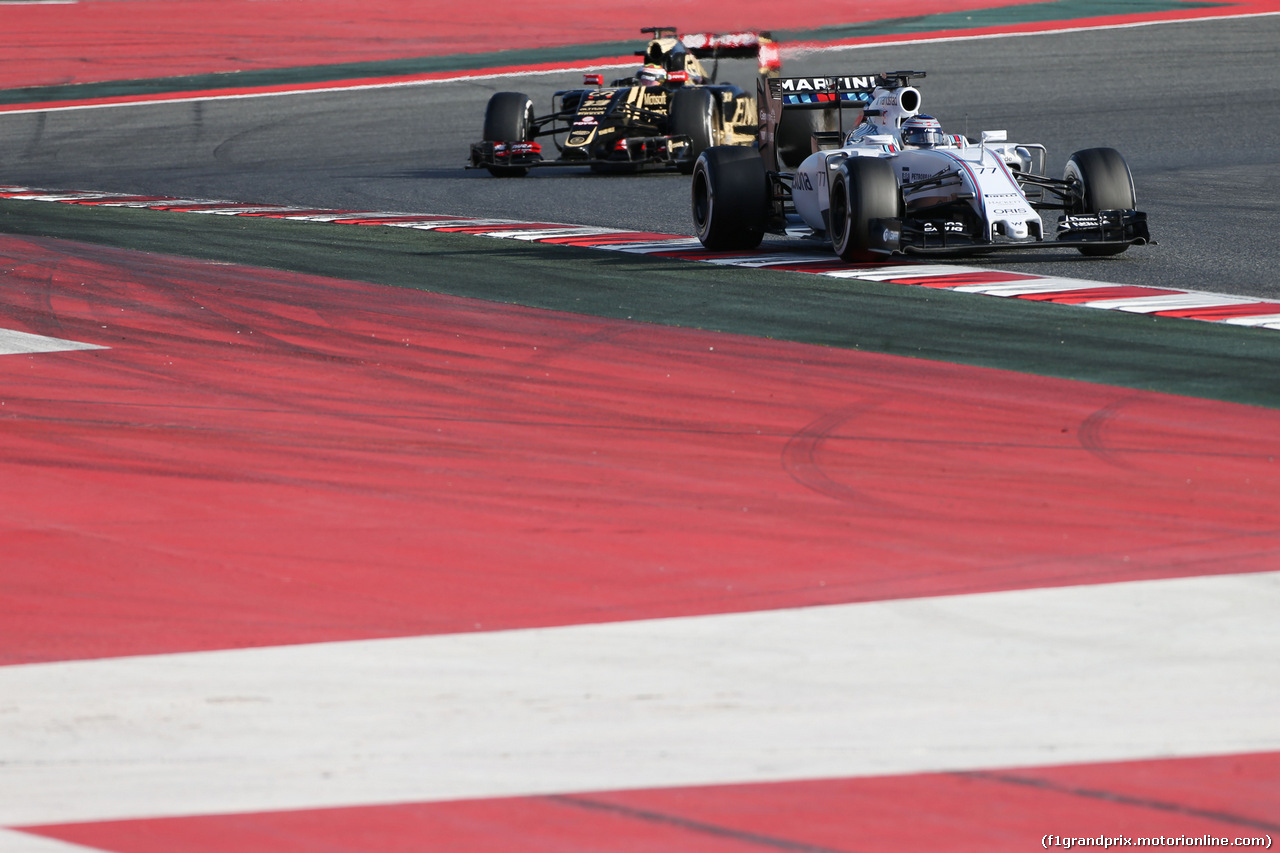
{"x":652,"y":75}
{"x":921,"y":131}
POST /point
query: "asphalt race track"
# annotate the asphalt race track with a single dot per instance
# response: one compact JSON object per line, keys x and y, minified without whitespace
{"x":1192,"y":107}
{"x":359,"y":536}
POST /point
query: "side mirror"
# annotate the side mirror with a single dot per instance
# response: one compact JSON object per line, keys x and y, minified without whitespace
{"x":593,"y":79}
{"x":994,"y":136}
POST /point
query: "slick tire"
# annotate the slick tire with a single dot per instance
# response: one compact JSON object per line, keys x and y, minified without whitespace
{"x":693,"y":114}
{"x":863,"y":189}
{"x":508,"y":118}
{"x":1106,"y":184}
{"x":730,"y":195}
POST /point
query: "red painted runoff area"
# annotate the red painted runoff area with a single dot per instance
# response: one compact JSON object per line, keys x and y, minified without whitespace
{"x":99,"y":40}
{"x":265,"y":458}
{"x":93,"y":41}
{"x":1235,"y":797}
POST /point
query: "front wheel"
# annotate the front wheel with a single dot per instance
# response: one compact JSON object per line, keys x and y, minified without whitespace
{"x":863,"y":189}
{"x":508,"y":118}
{"x":1103,"y":182}
{"x":730,"y":198}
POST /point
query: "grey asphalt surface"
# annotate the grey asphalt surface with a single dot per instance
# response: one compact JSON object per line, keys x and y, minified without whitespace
{"x":1195,"y":109}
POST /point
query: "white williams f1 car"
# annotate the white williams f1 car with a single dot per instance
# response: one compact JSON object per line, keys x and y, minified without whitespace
{"x":896,"y":183}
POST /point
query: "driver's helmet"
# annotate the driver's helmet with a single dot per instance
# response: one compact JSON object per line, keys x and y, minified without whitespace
{"x":921,"y":131}
{"x":652,"y":75}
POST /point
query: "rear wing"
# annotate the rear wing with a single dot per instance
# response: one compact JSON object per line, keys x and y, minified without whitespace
{"x":744,"y":45}
{"x":852,"y":92}
{"x":829,"y":92}
{"x":758,"y":46}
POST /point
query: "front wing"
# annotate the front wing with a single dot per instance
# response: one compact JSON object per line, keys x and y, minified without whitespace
{"x":1075,"y":231}
{"x":635,"y":151}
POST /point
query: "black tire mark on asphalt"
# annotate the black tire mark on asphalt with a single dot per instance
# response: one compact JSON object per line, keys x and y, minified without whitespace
{"x":1093,"y":434}
{"x":1123,"y":799}
{"x":751,"y":838}
{"x":800,"y":459}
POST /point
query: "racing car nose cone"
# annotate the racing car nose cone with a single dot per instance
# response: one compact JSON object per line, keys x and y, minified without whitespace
{"x":1015,"y":229}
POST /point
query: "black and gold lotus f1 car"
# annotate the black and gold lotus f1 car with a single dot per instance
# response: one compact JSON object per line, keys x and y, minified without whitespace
{"x":663,"y":116}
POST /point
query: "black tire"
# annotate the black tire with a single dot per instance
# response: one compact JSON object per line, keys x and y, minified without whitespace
{"x":693,"y":114}
{"x":730,"y":197}
{"x":508,"y":118}
{"x":863,"y":189}
{"x":1106,"y":184}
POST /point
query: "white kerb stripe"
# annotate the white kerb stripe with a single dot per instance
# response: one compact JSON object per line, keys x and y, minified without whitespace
{"x":1026,"y":678}
{"x":19,"y":343}
{"x":1169,"y":302}
{"x":1268,"y":320}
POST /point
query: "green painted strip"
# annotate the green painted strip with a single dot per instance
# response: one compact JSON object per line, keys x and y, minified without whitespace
{"x":1057,"y":10}
{"x":1126,"y":350}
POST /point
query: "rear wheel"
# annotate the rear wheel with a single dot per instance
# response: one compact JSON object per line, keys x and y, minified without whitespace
{"x":693,"y":114}
{"x":730,"y":198}
{"x":508,"y":118}
{"x":1105,"y":183}
{"x":863,"y":189}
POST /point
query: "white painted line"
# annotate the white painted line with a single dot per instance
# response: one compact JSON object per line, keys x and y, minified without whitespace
{"x":1126,"y":671}
{"x":21,"y":343}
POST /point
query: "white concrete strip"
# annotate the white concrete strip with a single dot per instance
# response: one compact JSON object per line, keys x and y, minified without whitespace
{"x":167,"y":202}
{"x":649,"y":247}
{"x":241,"y":210}
{"x":1030,"y":286}
{"x":86,"y":196}
{"x":20,"y":842}
{"x":759,"y":261}
{"x":20,"y":343}
{"x":430,"y":223}
{"x":902,"y":271}
{"x":1138,"y":670}
{"x":1267,"y":320}
{"x":553,"y":233}
{"x":1169,"y":302}
{"x":330,"y":217}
